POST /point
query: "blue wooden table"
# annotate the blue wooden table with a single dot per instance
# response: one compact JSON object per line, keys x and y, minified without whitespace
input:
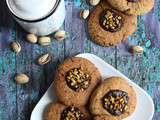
{"x":17,"y":101}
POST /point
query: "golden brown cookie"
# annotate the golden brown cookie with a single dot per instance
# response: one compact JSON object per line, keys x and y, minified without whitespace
{"x":57,"y":111}
{"x":114,"y":97}
{"x":75,"y":79}
{"x":134,"y":7}
{"x":104,"y":117}
{"x":108,"y":27}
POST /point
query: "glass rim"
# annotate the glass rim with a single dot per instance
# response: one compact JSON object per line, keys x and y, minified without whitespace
{"x":36,"y":20}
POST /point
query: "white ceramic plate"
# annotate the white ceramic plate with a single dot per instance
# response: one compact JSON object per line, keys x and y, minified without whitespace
{"x":144,"y":109}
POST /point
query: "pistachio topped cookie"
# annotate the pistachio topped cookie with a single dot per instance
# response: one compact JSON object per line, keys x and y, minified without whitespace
{"x":108,"y":27}
{"x":133,"y":7}
{"x":57,"y":111}
{"x":114,"y":98}
{"x":110,"y":20}
{"x":75,"y":80}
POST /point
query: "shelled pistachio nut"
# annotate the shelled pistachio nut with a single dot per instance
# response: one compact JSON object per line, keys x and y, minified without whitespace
{"x":84,"y":14}
{"x":44,"y":41}
{"x":21,"y":78}
{"x":44,"y":59}
{"x":32,"y":38}
{"x":94,"y":2}
{"x":16,"y":47}
{"x":137,"y":49}
{"x":60,"y":35}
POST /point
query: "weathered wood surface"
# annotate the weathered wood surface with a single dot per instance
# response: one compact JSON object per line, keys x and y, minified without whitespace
{"x":17,"y":101}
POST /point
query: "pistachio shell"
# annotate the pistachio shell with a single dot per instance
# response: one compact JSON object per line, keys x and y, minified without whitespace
{"x":60,"y":35}
{"x":84,"y":14}
{"x":44,"y":59}
{"x":44,"y":41}
{"x":137,"y":49}
{"x":16,"y":47}
{"x":32,"y":38}
{"x":21,"y":78}
{"x":94,"y":2}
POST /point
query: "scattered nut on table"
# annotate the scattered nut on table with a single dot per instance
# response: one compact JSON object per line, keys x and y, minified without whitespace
{"x":44,"y":41}
{"x":21,"y":78}
{"x":60,"y":35}
{"x":32,"y":38}
{"x":94,"y":2}
{"x":84,"y":14}
{"x":16,"y":47}
{"x":44,"y":59}
{"x":137,"y":49}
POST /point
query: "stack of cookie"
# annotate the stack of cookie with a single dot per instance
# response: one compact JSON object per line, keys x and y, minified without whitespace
{"x":112,"y":21}
{"x":83,"y":96}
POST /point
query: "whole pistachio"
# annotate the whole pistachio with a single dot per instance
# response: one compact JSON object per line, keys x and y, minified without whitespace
{"x":44,"y":59}
{"x":137,"y":49}
{"x":94,"y":2}
{"x":21,"y":78}
{"x":44,"y":41}
{"x":32,"y":38}
{"x":60,"y":35}
{"x":16,"y":47}
{"x":84,"y":14}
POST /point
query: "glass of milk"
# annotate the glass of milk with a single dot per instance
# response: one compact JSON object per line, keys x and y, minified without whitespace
{"x":41,"y":17}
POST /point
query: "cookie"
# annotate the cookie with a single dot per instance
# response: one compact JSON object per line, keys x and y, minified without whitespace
{"x":114,"y":97}
{"x":74,"y":81}
{"x":133,"y":7}
{"x":104,"y":117}
{"x":109,"y":27}
{"x":57,"y":111}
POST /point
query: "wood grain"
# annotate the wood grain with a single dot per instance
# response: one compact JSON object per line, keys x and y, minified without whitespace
{"x":17,"y":101}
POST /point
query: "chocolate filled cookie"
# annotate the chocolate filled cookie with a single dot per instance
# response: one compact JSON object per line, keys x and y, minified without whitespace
{"x":75,"y":79}
{"x":133,"y":7}
{"x":114,"y":98}
{"x":57,"y":111}
{"x":104,"y":117}
{"x":108,"y":26}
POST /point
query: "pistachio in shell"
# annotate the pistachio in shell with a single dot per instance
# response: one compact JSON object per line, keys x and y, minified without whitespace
{"x":16,"y":47}
{"x":32,"y":38}
{"x":60,"y":35}
{"x":94,"y":2}
{"x":84,"y":14}
{"x":44,"y":59}
{"x":137,"y":49}
{"x":21,"y":78}
{"x":44,"y":41}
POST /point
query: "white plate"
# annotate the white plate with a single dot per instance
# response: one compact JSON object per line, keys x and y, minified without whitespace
{"x":144,"y":109}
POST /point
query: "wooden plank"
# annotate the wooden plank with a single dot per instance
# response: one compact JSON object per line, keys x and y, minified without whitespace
{"x":154,"y":90}
{"x":143,"y":69}
{"x":23,"y":65}
{"x":79,"y":40}
{"x":7,"y":67}
{"x":7,"y":86}
{"x":74,"y":26}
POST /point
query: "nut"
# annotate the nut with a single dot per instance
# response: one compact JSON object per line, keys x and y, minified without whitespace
{"x":60,"y":35}
{"x":44,"y":59}
{"x":16,"y":47}
{"x":137,"y":49}
{"x":44,"y":41}
{"x":84,"y":14}
{"x":21,"y":78}
{"x":94,"y":2}
{"x":32,"y":38}
{"x":78,"y":80}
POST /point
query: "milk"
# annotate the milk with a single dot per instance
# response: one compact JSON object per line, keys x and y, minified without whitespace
{"x":40,"y":17}
{"x":31,"y":9}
